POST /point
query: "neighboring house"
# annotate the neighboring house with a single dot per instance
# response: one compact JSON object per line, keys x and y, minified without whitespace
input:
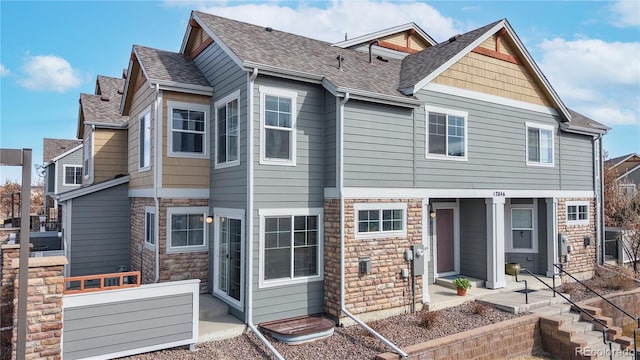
{"x":319,"y":165}
{"x":627,"y":169}
{"x":62,"y":165}
{"x":104,"y":131}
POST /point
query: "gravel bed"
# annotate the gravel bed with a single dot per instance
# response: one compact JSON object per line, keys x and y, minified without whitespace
{"x":351,"y":342}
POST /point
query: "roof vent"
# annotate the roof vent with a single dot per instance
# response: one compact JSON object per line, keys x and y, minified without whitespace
{"x":268,"y":29}
{"x":104,"y":97}
{"x":454,"y":38}
{"x":340,"y":59}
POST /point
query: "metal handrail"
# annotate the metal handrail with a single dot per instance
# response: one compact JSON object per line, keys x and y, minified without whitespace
{"x":637,"y":319}
{"x":576,"y":306}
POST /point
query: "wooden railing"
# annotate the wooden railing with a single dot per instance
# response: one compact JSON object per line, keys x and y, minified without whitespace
{"x":101,"y":282}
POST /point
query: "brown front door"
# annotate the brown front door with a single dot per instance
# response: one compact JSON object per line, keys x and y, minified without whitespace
{"x":445,"y":242}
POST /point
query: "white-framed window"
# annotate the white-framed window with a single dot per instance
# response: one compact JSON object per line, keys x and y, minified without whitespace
{"x":523,"y":234}
{"x":72,"y":175}
{"x":377,"y":220}
{"x":186,"y":229}
{"x":291,"y":246}
{"x":278,"y":111}
{"x":539,"y":144}
{"x":150,"y":226}
{"x":577,"y":213}
{"x":227,"y":127}
{"x":188,"y":129}
{"x":144,"y":134}
{"x":446,"y":133}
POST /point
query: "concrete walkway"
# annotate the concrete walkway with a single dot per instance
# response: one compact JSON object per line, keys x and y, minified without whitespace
{"x":215,"y":321}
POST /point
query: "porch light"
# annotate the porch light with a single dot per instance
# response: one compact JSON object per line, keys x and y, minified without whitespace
{"x":432,"y":214}
{"x":209,"y":220}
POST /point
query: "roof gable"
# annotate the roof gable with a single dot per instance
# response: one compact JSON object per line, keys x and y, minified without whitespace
{"x":103,"y":107}
{"x":53,"y":148}
{"x":624,"y":162}
{"x":407,"y":38}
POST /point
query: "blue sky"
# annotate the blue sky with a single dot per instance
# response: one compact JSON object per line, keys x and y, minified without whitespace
{"x":52,"y":51}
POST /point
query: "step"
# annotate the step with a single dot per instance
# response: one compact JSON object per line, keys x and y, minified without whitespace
{"x":447,"y":281}
{"x":220,"y":328}
{"x":553,"y":309}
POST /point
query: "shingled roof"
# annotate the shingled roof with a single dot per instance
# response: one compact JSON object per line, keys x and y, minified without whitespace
{"x":581,"y":121}
{"x":54,"y":147}
{"x":166,"y":66}
{"x":104,"y":107}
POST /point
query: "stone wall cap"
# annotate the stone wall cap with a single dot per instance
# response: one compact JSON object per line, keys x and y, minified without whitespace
{"x":42,"y":261}
{"x":10,"y":246}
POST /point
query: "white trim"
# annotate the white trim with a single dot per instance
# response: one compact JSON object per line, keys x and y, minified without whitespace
{"x":174,"y":193}
{"x":171,"y":105}
{"x":534,"y":227}
{"x":68,"y":152}
{"x":146,"y":119}
{"x":456,"y":237}
{"x":382,"y":33}
{"x":552,"y":230}
{"x":56,"y":169}
{"x":157,"y":151}
{"x":446,"y":112}
{"x":426,"y":242}
{"x":140,"y":193}
{"x":186,"y":210}
{"x":408,"y":193}
{"x":149,"y":210}
{"x":266,"y":90}
{"x":379,"y":206}
{"x":223,"y":102}
{"x":183,"y":87}
{"x":67,"y":208}
{"x":475,"y":95}
{"x":217,"y":40}
{"x":529,"y":124}
{"x":629,"y":171}
{"x":236,"y":214}
{"x":262,"y":213}
{"x":93,"y":188}
{"x":64,"y":174}
{"x":577,"y":204}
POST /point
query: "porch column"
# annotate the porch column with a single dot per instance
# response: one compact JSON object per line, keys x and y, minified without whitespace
{"x":495,"y":243}
{"x":552,"y":238}
{"x":426,"y":241}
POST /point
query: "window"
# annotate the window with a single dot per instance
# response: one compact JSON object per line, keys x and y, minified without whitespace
{"x":628,"y":189}
{"x":149,"y":226}
{"x":539,"y":144}
{"x":380,"y":220}
{"x":188,"y":130}
{"x":72,"y":175}
{"x":145,"y":141}
{"x":577,"y":213}
{"x":446,"y":133}
{"x":291,"y":242}
{"x":186,"y":229}
{"x":523,"y":234}
{"x":228,"y":131}
{"x":88,"y":150}
{"x":278,"y":126}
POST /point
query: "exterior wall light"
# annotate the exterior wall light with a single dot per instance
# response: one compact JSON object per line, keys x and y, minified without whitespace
{"x":209,"y":220}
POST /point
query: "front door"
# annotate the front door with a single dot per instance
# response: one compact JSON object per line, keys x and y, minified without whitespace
{"x":228,"y":258}
{"x":445,"y":241}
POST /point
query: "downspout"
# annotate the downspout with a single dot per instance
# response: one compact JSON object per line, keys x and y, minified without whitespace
{"x":342,"y":224}
{"x":249,"y":314}
{"x":156,"y":174}
{"x":597,"y":181}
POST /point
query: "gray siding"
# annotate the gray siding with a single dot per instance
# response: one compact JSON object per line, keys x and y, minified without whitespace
{"x":284,"y":187}
{"x":74,"y":158}
{"x":378,"y":145}
{"x":534,"y":262}
{"x":50,"y":178}
{"x":473,"y":238}
{"x":576,"y":162}
{"x":100,"y":224}
{"x":228,"y":185}
{"x":126,"y":325}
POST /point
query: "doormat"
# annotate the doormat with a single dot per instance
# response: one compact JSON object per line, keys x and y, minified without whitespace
{"x":525,"y":291}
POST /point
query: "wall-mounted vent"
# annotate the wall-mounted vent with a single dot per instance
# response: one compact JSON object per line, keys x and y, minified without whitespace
{"x":364,"y":266}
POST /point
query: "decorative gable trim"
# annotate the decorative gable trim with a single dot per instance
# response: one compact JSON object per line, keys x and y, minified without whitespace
{"x":214,"y":38}
{"x":412,"y":27}
{"x":496,"y":54}
{"x":388,"y":45}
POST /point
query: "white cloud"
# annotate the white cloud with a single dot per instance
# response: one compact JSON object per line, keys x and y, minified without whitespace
{"x":49,"y":73}
{"x":625,"y":13}
{"x":330,"y":23}
{"x":600,"y":79}
{"x":4,"y":71}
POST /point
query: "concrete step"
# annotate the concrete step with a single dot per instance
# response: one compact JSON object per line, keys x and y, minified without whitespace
{"x":515,"y":302}
{"x":220,"y":328}
{"x":211,"y":307}
{"x":553,"y":309}
{"x":448,"y":281}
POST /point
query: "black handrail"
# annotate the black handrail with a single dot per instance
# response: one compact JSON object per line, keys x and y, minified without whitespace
{"x":637,"y":319}
{"x":576,"y":306}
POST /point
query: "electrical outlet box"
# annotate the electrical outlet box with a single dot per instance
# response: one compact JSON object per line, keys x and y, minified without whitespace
{"x":364,"y":266}
{"x":405,"y":273}
{"x":419,"y":259}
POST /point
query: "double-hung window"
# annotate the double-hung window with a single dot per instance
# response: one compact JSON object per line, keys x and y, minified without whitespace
{"x":291,"y":243}
{"x":186,"y":230}
{"x":539,"y":144}
{"x":145,"y":141}
{"x":187,"y":128}
{"x":577,"y":213}
{"x":149,"y":226}
{"x":446,"y":133}
{"x":72,"y":175}
{"x":278,"y":126}
{"x":228,"y":130}
{"x":374,"y":220}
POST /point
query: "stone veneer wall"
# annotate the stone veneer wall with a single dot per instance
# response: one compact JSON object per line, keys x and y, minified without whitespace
{"x":383,"y":292}
{"x":173,"y":267}
{"x":44,"y":307}
{"x":582,"y":260}
{"x":7,"y":276}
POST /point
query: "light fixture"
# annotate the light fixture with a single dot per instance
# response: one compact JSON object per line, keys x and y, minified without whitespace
{"x":209,"y":220}
{"x":432,"y":214}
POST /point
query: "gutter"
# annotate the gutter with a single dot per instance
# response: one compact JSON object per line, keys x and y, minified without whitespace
{"x":156,"y":165}
{"x":340,"y":118}
{"x":249,"y":217}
